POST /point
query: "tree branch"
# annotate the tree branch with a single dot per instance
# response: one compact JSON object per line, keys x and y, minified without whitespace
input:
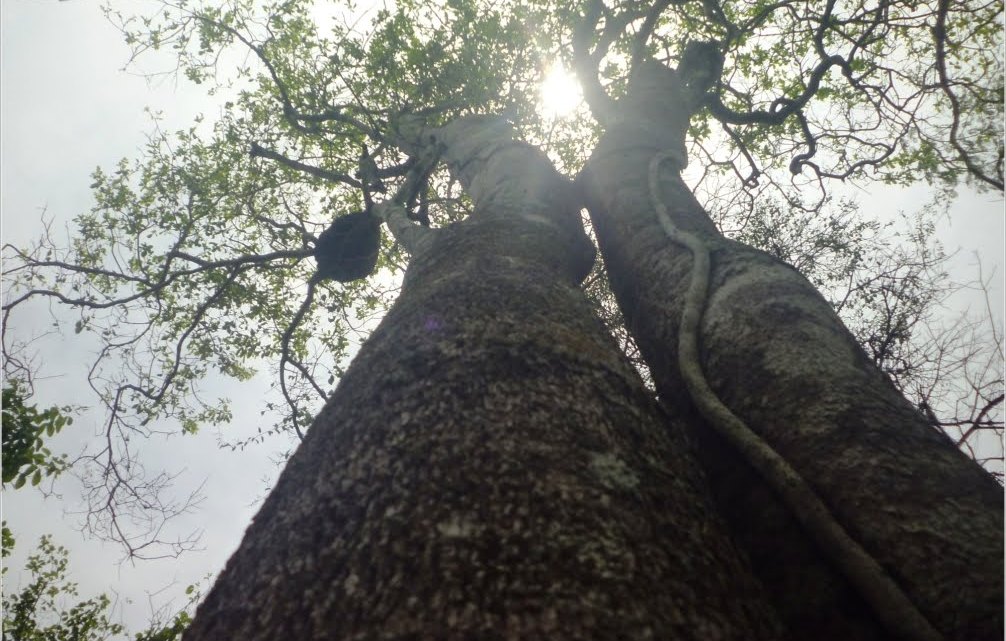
{"x":940,"y":36}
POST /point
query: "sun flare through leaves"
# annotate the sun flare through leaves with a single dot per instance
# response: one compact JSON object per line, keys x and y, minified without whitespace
{"x":560,"y":93}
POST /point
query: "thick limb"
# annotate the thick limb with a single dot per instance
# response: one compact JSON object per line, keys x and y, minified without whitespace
{"x":413,"y":237}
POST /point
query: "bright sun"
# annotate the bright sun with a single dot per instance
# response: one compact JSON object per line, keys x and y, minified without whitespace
{"x":560,"y":93}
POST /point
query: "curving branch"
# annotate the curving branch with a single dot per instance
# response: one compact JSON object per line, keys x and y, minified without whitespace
{"x":258,"y":151}
{"x":120,"y":492}
{"x":751,"y":180}
{"x":940,"y":37}
{"x":781,"y":108}
{"x":293,"y":116}
{"x":601,"y":105}
{"x":123,"y":502}
{"x":981,"y":420}
{"x":286,"y":358}
{"x":151,"y":288}
{"x":646,"y":30}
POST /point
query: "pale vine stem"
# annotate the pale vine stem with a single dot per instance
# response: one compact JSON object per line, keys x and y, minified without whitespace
{"x":889,"y":602}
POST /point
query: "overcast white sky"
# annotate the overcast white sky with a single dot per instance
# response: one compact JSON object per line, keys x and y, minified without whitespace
{"x":66,"y":109}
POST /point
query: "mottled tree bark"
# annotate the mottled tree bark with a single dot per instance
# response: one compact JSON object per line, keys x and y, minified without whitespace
{"x":776,"y":354}
{"x":490,"y":466}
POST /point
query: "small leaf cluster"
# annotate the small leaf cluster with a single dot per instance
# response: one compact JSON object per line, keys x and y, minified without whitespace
{"x":37,"y":612}
{"x":34,"y":613}
{"x":25,"y":456}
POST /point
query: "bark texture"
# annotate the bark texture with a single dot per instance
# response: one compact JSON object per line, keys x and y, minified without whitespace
{"x":776,"y":354}
{"x":490,"y":467}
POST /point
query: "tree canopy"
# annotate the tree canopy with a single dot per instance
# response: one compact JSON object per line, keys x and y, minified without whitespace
{"x":195,"y":259}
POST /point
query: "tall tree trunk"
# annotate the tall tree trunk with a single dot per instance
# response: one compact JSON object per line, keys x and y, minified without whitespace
{"x":774,"y":352}
{"x":490,"y":467}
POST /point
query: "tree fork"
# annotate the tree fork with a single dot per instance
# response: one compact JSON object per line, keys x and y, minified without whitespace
{"x":490,"y":466}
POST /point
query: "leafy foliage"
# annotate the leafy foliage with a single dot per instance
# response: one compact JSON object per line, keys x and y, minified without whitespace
{"x":8,"y":541}
{"x":38,"y":612}
{"x":855,"y":91}
{"x":26,"y":613}
{"x":25,"y":455}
